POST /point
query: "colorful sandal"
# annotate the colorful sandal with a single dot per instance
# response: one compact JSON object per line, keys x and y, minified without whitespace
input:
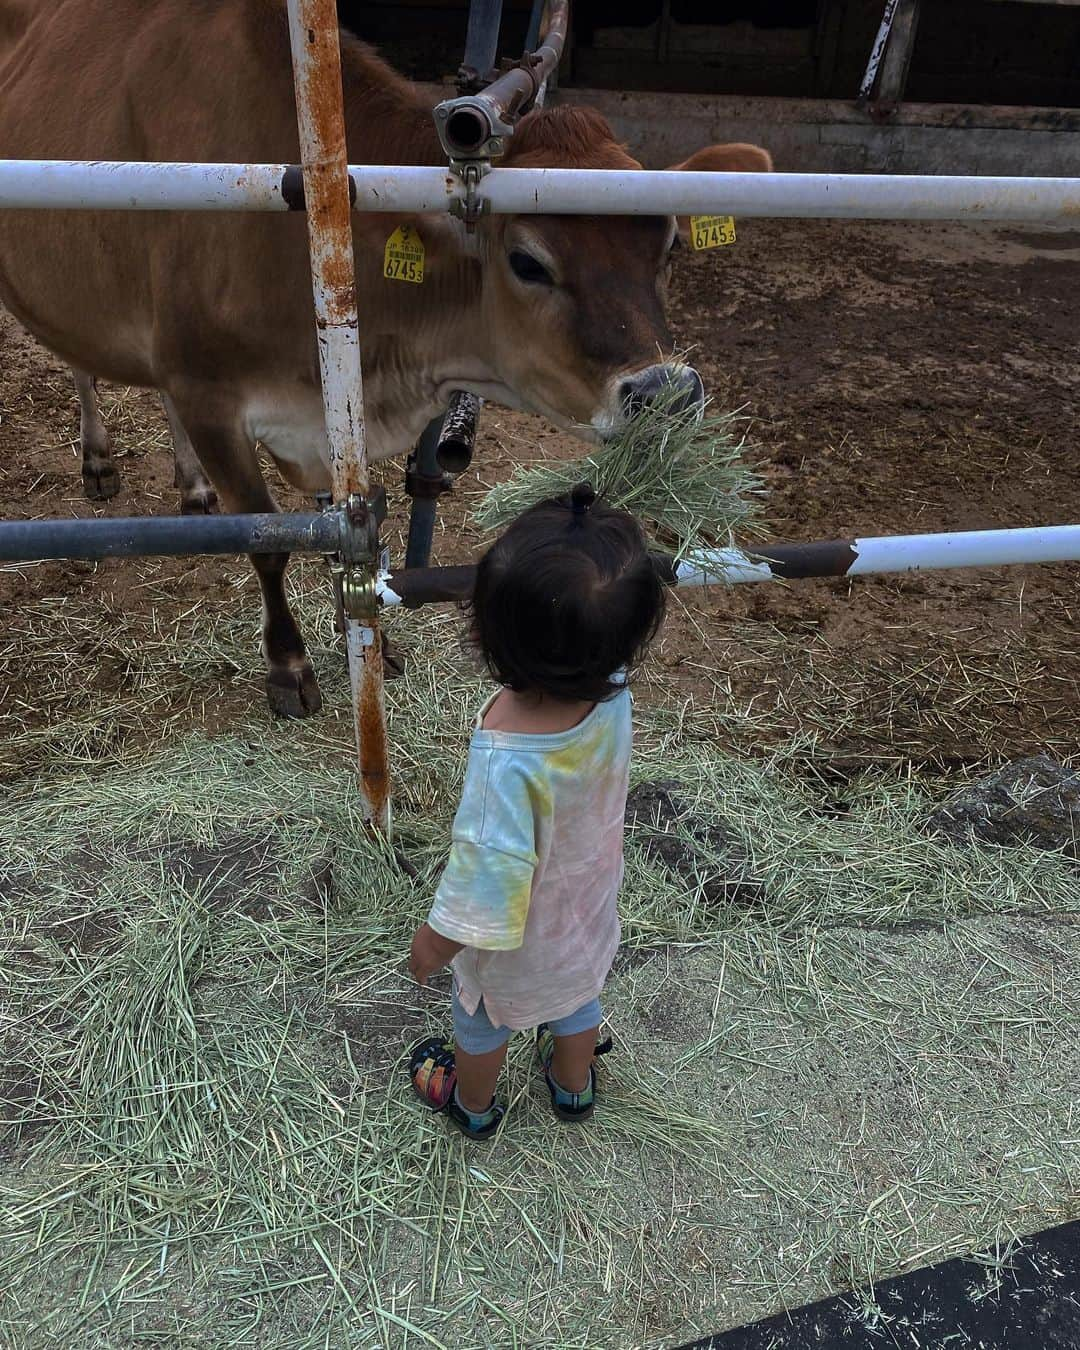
{"x":433,"y":1074}
{"x":570,"y":1106}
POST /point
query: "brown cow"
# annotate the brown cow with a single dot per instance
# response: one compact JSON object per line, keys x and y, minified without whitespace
{"x":100,"y":478}
{"x":560,"y":315}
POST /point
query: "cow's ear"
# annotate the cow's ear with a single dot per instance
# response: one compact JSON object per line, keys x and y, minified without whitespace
{"x":722,"y":159}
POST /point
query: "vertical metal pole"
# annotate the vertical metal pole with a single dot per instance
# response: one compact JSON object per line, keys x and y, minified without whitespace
{"x":424,"y":479}
{"x":663,"y":32}
{"x":316,"y":56}
{"x":536,"y":17}
{"x":482,"y":36}
{"x":827,"y":46}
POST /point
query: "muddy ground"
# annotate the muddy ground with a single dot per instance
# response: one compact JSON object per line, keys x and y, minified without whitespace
{"x":901,"y":377}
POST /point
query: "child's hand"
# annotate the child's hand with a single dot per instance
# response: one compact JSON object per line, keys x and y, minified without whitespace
{"x":430,"y":952}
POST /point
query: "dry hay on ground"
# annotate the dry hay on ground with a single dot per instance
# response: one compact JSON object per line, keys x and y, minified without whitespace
{"x":877,"y":1072}
{"x":860,"y":1059}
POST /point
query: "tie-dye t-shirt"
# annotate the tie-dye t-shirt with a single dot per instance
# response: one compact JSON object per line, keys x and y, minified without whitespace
{"x":535,"y":867}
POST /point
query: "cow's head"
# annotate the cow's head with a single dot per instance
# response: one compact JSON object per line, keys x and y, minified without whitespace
{"x":574,"y":305}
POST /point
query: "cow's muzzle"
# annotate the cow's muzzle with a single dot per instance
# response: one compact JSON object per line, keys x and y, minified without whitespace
{"x":681,"y":384}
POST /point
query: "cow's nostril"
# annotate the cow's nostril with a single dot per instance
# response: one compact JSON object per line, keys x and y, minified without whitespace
{"x":688,"y":393}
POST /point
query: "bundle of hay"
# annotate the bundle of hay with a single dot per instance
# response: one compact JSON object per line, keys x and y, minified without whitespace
{"x":683,"y":476}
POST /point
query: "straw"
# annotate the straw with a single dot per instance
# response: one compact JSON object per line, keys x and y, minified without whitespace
{"x":209,"y":1135}
{"x":683,"y":476}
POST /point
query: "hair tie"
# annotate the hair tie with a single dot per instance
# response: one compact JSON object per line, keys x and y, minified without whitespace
{"x":581,"y":498}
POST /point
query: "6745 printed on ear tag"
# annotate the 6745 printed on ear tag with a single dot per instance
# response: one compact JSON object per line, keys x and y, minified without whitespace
{"x":712,"y":231}
{"x":403,"y":257}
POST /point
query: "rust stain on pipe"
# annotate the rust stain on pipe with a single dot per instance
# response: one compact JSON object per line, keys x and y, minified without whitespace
{"x":371,"y":737}
{"x":327,"y":193}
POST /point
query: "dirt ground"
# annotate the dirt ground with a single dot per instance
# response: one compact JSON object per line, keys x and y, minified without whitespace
{"x":905,"y":1007}
{"x":900,"y":377}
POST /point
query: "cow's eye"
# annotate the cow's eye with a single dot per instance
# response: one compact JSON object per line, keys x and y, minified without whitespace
{"x":529,"y":269}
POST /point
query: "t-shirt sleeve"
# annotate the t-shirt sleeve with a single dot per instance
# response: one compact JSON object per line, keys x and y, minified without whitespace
{"x":483,"y":896}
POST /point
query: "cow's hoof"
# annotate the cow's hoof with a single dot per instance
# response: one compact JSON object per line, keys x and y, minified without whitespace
{"x":100,"y":481}
{"x":293,"y":691}
{"x":199,"y":502}
{"x":393,"y":661}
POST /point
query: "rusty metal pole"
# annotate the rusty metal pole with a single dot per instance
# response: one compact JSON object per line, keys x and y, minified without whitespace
{"x":475,"y":126}
{"x":316,"y":57}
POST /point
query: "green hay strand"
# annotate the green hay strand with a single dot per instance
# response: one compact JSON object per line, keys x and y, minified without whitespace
{"x":684,"y":478}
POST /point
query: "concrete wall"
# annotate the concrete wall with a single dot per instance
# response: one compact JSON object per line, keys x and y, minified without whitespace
{"x":811,"y":135}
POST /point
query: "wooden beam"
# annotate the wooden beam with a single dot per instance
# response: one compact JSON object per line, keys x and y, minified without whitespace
{"x":897,"y":60}
{"x":827,"y":33}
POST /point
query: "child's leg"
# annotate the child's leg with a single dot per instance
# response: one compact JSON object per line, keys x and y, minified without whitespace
{"x":567,"y":1047}
{"x":479,"y":1052}
{"x":477,"y":1076}
{"x":458,"y":1076}
{"x":573,"y":1058}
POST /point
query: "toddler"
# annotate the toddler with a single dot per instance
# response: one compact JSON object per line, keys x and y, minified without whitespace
{"x":565,"y":603}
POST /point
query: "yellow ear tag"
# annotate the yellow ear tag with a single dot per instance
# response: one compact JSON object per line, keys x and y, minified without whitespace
{"x":712,"y":231}
{"x":403,"y":258}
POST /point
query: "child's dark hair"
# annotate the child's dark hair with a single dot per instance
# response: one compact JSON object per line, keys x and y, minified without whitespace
{"x":566,"y":598}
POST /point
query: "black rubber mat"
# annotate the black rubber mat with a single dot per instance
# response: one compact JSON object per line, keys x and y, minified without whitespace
{"x":1029,"y":1301}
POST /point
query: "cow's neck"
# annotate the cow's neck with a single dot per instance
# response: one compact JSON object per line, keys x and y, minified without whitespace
{"x":420,"y":343}
{"x":387,"y":120}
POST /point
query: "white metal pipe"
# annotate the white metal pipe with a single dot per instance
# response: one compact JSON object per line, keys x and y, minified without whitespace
{"x":413,"y":189}
{"x":109,"y":185}
{"x":863,"y":196}
{"x":115,"y":185}
{"x":894,"y":553}
{"x":316,"y":58}
{"x":973,"y":548}
{"x":720,"y":566}
{"x":822,"y":558}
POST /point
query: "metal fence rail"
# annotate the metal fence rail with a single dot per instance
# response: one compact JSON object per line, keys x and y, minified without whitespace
{"x":794,"y":562}
{"x":175,"y":536}
{"x":120,"y":186}
{"x":330,"y":531}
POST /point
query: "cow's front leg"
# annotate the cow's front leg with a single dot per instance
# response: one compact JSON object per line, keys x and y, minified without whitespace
{"x":291,"y":687}
{"x":228,"y":455}
{"x":100,"y":479}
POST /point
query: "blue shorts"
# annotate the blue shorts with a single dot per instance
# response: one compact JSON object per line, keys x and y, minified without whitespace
{"x":474,"y":1032}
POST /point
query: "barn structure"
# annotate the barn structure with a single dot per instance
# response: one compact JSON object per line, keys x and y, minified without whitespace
{"x":978,"y":86}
